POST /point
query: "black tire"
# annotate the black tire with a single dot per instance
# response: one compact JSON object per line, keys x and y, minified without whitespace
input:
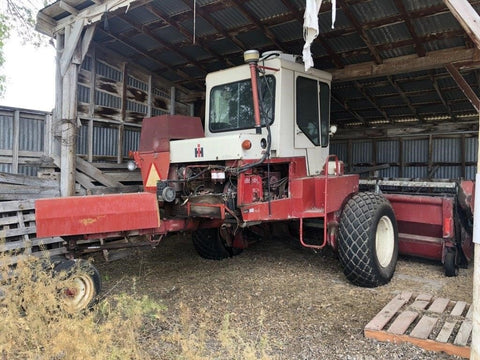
{"x":84,"y":284}
{"x":368,"y":240}
{"x":210,"y":245}
{"x":450,"y":263}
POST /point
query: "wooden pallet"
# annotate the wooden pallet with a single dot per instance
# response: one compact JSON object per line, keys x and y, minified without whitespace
{"x":17,"y":233}
{"x":435,"y":324}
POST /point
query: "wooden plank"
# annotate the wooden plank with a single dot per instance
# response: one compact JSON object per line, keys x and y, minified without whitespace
{"x":9,"y":220}
{"x":125,"y":176}
{"x":458,"y":308}
{"x":421,"y":302}
{"x":95,"y":173}
{"x":15,"y":245}
{"x":27,"y":180}
{"x":384,"y":316}
{"x":427,"y":344}
{"x":402,"y":322}
{"x":12,"y":206}
{"x":463,"y":333}
{"x":439,"y":305}
{"x":27,"y":244}
{"x":424,"y":327}
{"x":469,"y":313}
{"x":84,"y":180}
{"x":6,"y":233}
{"x":404,"y":64}
{"x":446,"y":331}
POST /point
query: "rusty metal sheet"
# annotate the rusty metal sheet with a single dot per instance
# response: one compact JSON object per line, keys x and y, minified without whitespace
{"x":96,"y":214}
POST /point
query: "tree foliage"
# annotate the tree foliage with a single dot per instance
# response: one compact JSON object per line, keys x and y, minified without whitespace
{"x":18,"y":17}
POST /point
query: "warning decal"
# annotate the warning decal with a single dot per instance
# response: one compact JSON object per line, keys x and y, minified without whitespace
{"x":152,"y":177}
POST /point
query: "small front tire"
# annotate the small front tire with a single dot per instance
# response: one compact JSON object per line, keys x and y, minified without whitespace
{"x":81,"y":284}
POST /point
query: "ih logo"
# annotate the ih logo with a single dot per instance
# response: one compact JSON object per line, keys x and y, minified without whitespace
{"x":199,"y":151}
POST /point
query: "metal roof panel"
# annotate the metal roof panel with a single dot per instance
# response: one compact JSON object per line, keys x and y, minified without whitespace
{"x":373,"y":10}
{"x":230,"y":18}
{"x":266,"y":9}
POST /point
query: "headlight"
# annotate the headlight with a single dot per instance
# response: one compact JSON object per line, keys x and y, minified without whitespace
{"x":131,"y":165}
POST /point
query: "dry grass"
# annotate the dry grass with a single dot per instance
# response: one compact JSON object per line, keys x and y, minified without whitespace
{"x":34,"y":324}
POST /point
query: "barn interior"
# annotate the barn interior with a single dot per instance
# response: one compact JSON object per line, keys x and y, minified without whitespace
{"x":405,"y":73}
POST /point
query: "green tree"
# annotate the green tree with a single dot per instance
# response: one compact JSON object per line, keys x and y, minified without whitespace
{"x":18,"y":16}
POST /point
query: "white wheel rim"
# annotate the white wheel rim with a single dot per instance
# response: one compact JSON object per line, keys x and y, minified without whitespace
{"x":79,"y":293}
{"x":384,"y":241}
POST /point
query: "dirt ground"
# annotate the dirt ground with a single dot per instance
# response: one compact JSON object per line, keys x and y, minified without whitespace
{"x":289,"y":301}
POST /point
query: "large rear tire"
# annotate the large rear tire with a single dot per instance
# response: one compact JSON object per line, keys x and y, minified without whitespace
{"x":368,"y":240}
{"x":210,"y":245}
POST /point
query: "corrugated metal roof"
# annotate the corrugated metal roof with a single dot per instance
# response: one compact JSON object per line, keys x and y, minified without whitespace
{"x":389,"y":33}
{"x":230,"y":18}
{"x":374,"y":9}
{"x":226,"y":29}
{"x":266,"y":9}
{"x":288,"y":31}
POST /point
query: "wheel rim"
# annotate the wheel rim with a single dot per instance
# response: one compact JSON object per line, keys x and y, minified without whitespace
{"x":384,"y":241}
{"x":79,"y":293}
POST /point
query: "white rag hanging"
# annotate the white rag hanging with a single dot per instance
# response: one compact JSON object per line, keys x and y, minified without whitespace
{"x":310,"y":27}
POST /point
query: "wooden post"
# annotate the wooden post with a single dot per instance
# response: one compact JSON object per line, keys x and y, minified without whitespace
{"x":172,"y":100}
{"x":16,"y":141}
{"x":470,"y":21}
{"x":69,"y":131}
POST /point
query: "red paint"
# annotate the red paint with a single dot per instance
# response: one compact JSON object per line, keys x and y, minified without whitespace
{"x":96,"y":214}
{"x":425,"y":224}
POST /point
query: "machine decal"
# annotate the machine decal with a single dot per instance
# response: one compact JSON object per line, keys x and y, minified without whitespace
{"x":199,"y":151}
{"x":153,"y":176}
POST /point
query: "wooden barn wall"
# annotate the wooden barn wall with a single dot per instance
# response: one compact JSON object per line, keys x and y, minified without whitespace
{"x":24,"y":140}
{"x":413,"y":157}
{"x":113,"y":98}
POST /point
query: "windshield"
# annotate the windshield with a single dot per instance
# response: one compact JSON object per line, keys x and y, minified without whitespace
{"x":231,"y":105}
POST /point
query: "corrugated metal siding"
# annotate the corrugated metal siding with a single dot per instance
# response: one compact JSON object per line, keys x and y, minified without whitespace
{"x":470,"y":172}
{"x":471,"y":149}
{"x":415,"y":151}
{"x":446,"y":150}
{"x":341,"y":150}
{"x":388,"y":151}
{"x":6,"y":132}
{"x":131,"y":139}
{"x":31,"y":133}
{"x":415,"y":172}
{"x":6,"y":168}
{"x":28,"y":170}
{"x":448,"y":172}
{"x":391,"y":172}
{"x":105,"y":141}
{"x":82,"y":140}
{"x":362,"y":152}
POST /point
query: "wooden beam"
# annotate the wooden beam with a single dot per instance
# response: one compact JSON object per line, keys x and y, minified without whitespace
{"x":67,"y":7}
{"x":346,"y":9}
{"x":71,"y":42}
{"x":405,"y":98}
{"x":347,"y":108}
{"x":371,"y":100}
{"x":87,"y":39}
{"x":204,"y":44}
{"x":467,"y":17}
{"x":418,"y":44}
{"x":406,"y":64}
{"x":464,"y":86}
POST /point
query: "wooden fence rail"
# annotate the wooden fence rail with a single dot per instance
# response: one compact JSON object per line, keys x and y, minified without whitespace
{"x":17,"y":233}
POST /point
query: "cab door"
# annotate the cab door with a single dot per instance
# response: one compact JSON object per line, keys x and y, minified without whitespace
{"x":312,"y":113}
